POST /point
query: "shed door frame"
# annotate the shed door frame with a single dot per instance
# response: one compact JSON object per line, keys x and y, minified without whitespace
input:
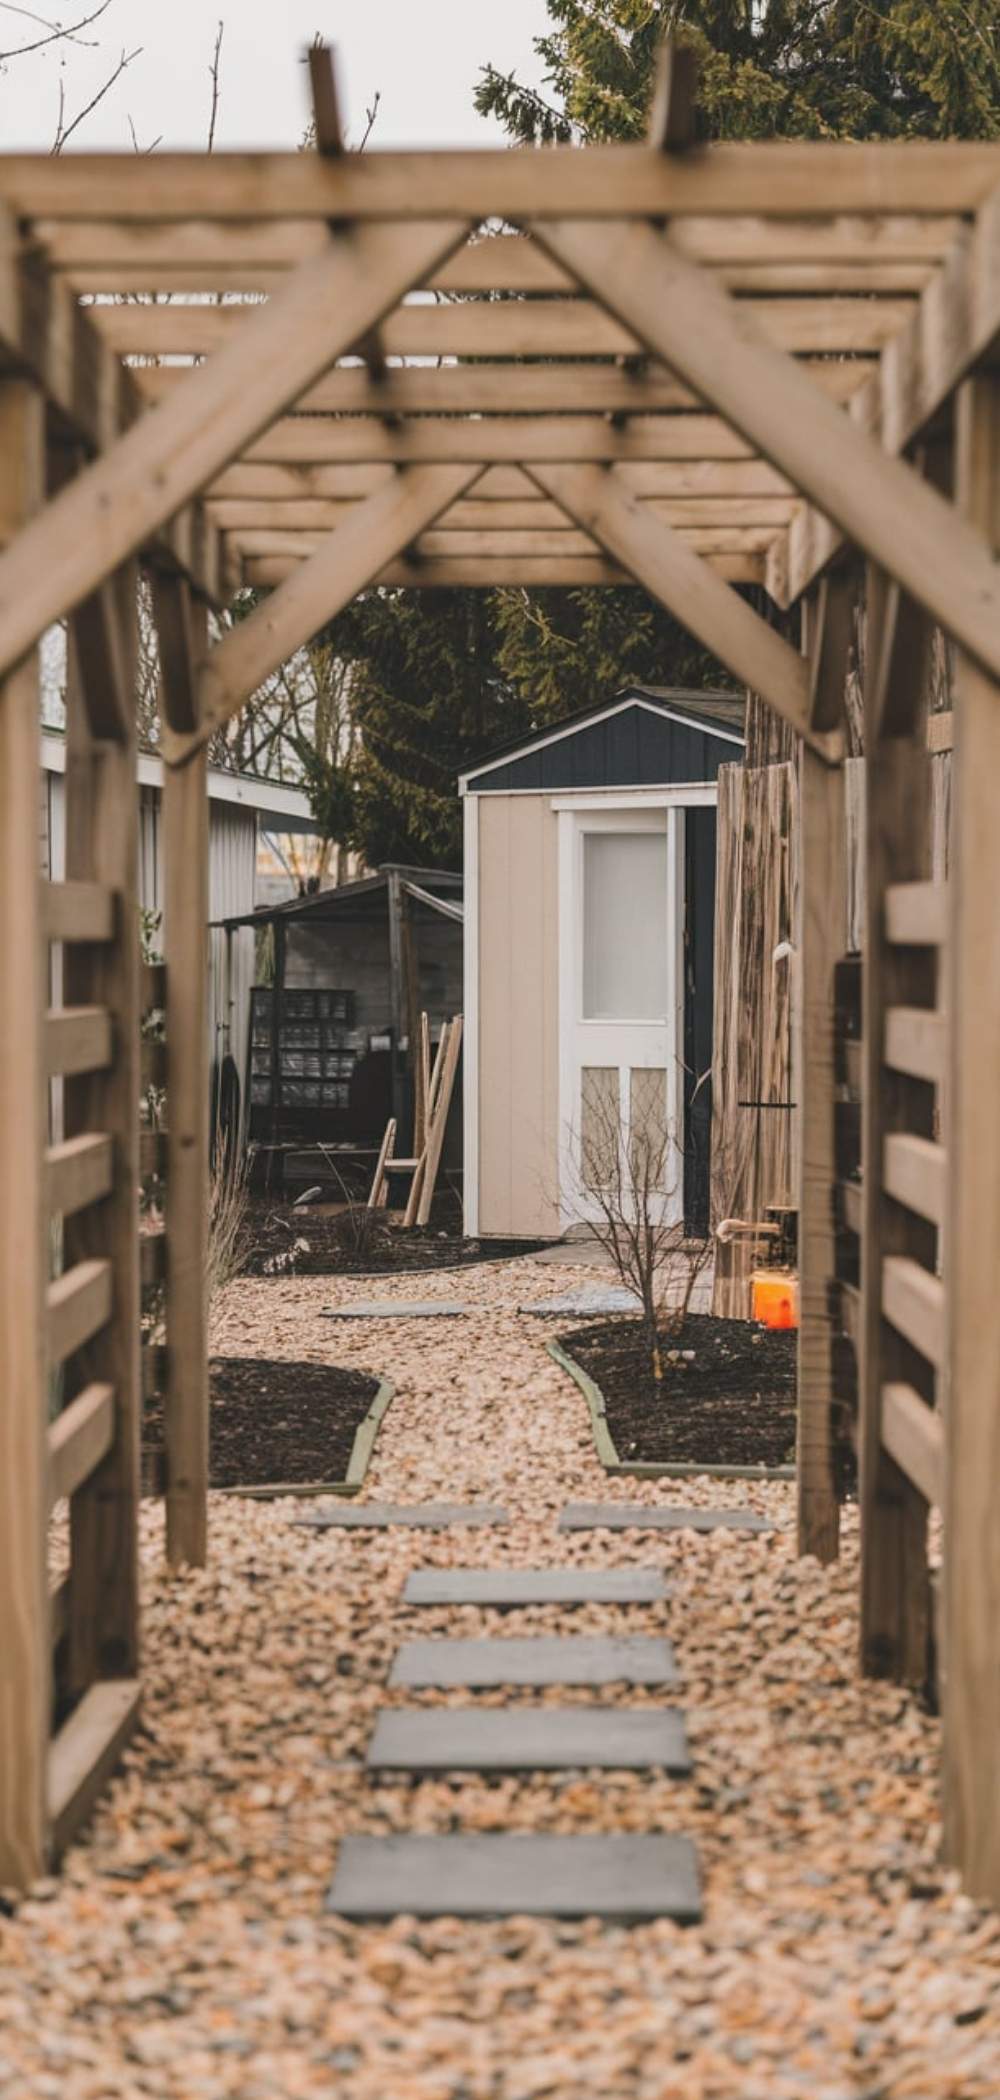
{"x":610,"y":811}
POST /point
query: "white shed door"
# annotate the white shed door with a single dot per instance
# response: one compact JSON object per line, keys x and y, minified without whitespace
{"x":621,"y":1009}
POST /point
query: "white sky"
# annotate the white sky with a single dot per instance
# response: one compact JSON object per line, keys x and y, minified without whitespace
{"x":422,"y":57}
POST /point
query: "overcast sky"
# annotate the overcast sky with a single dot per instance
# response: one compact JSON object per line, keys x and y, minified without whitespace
{"x":421,"y":57}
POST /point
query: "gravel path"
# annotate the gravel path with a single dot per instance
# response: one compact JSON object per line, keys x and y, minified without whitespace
{"x":183,"y":1951}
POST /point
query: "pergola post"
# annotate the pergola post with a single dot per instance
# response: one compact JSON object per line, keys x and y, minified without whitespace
{"x":971,"y":1614}
{"x":25,"y":1643}
{"x":898,"y":1241}
{"x":186,"y":913}
{"x":820,"y":941}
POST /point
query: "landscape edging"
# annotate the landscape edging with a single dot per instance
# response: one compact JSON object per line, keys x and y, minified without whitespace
{"x":357,"y":1464}
{"x":614,"y":1464}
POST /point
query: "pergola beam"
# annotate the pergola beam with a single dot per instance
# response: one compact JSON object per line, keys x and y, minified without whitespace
{"x":500,"y":572}
{"x":347,"y":561}
{"x":708,"y":608}
{"x":879,"y":502}
{"x":745,"y":178}
{"x":118,"y":503}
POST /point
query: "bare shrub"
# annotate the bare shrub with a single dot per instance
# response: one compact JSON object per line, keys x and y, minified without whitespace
{"x":631,"y":1176}
{"x":229,"y":1233}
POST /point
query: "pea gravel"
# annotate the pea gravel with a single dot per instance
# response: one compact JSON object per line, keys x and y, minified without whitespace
{"x":183,"y":1952}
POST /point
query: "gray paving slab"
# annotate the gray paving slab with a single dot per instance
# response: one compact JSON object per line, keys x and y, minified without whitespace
{"x":509,"y":1587}
{"x":538,"y":1660}
{"x":627,"y":1879}
{"x":587,"y":1304}
{"x":637,"y":1516}
{"x":397,"y":1309}
{"x":418,"y":1516}
{"x":528,"y":1739}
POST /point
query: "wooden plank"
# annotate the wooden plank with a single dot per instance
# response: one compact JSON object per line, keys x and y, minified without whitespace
{"x":882,"y":504}
{"x":655,"y":480}
{"x":186,"y":915}
{"x":971,"y":1400}
{"x":78,"y":1039}
{"x":849,"y":1204}
{"x":532,"y":571}
{"x":751,"y":649}
{"x":916,"y":914}
{"x":496,"y":329}
{"x":830,"y":642}
{"x":941,"y":731}
{"x":604,"y":183}
{"x":104,"y":681}
{"x":78,"y":1171}
{"x":152,"y":1258}
{"x":915,"y":1042}
{"x":379,"y":1188}
{"x":79,"y":1304}
{"x":915,"y":1173}
{"x":383,"y":524}
{"x":86,"y":1752}
{"x":439,"y":545}
{"x":79,"y":1438}
{"x":78,"y":911}
{"x":820,"y":940}
{"x":550,"y":414}
{"x":25,"y":1665}
{"x":90,"y":527}
{"x":673,"y":113}
{"x":439,"y":1104}
{"x":174,"y":619}
{"x":913,"y":1300}
{"x":913,"y":1435}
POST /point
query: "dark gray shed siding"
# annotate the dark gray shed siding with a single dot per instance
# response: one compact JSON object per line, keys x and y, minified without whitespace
{"x":636,"y":746}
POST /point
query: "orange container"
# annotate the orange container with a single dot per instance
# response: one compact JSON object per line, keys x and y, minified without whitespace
{"x":775,"y":1297}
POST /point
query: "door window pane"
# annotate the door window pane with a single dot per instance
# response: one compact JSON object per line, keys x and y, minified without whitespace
{"x":600,"y":1127}
{"x":625,"y":959}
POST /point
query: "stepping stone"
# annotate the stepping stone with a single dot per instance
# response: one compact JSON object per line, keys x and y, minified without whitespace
{"x":624,"y":1516}
{"x":587,"y":1304}
{"x":538,"y":1661}
{"x":510,"y":1587}
{"x":418,"y":1516}
{"x":528,"y":1739}
{"x":627,"y":1879}
{"x":396,"y":1309}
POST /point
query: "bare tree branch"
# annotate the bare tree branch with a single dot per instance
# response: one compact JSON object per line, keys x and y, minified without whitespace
{"x":70,"y":34}
{"x":65,"y":131}
{"x":214,"y":70}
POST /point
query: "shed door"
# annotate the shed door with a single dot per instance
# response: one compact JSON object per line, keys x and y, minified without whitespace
{"x":622,"y":1010}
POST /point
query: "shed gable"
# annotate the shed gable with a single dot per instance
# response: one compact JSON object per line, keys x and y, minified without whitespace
{"x":635,"y":745}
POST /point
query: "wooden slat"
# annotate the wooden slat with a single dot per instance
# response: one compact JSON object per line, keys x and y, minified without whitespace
{"x":915,"y":1173}
{"x":152,"y":1258}
{"x":153,"y":1062}
{"x":849,"y":1197}
{"x":152,"y":985}
{"x":152,"y":1152}
{"x":78,"y":1039}
{"x":913,"y":1303}
{"x":78,"y":1171}
{"x":78,"y":911}
{"x":913,"y":1435}
{"x":79,"y":1304}
{"x":84,"y":1754}
{"x":916,"y":914}
{"x":532,"y":572}
{"x":941,"y":731}
{"x":915,"y":1041}
{"x":850,"y":1311}
{"x":79,"y":1438}
{"x":184,"y":1376}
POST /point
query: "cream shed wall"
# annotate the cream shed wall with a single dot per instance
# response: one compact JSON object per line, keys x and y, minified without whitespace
{"x":512,"y":996}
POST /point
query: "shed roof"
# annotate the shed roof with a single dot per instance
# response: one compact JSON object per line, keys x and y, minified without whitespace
{"x":645,"y":737}
{"x":439,"y":888}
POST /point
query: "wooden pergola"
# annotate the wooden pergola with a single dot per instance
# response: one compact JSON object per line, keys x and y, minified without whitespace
{"x":697,"y":368}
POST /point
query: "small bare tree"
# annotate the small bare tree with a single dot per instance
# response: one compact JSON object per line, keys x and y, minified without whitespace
{"x":630,"y":1176}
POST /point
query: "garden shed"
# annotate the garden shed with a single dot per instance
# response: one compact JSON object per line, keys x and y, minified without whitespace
{"x":590,"y":883}
{"x":342,"y":978}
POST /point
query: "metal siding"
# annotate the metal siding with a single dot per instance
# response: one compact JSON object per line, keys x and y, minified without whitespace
{"x":633,"y":748}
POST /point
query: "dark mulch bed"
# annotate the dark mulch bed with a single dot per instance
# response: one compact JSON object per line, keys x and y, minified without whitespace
{"x":321,"y":1241}
{"x":730,"y":1403}
{"x":279,"y":1422}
